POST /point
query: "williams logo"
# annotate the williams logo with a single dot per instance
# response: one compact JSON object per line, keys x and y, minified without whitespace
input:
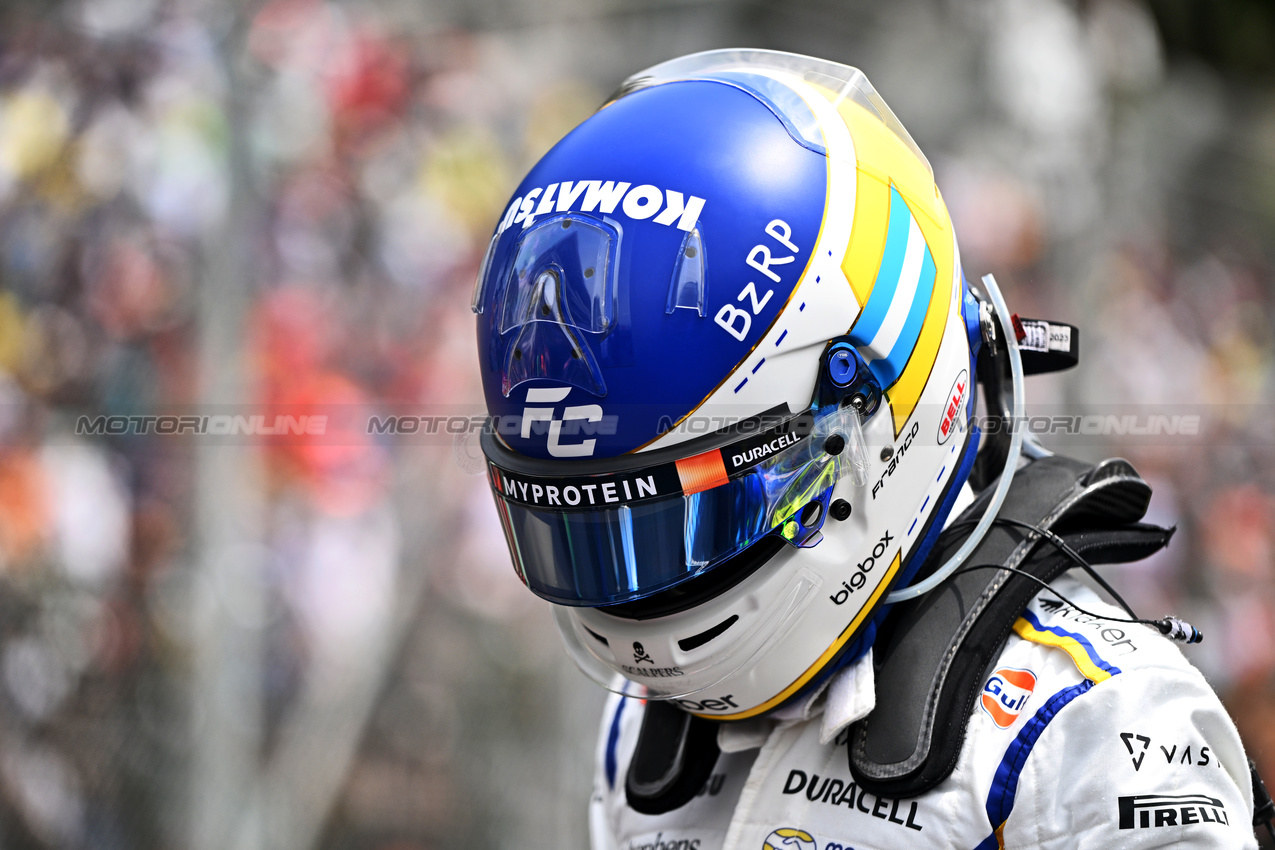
{"x":1005,"y":694}
{"x":1149,"y":811}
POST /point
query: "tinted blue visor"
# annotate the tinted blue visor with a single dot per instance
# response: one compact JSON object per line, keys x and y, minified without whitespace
{"x":617,"y":536}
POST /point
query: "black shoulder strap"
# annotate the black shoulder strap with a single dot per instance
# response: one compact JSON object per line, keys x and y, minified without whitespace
{"x":935,"y":650}
{"x":674,"y":757}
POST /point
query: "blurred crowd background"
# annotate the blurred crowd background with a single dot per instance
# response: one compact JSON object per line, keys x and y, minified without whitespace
{"x":268,"y":205}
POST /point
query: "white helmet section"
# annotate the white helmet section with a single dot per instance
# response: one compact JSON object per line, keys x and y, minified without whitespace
{"x":784,"y":363}
{"x":778,"y":628}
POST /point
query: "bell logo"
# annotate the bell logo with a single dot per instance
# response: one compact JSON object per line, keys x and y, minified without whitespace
{"x":952,"y":407}
{"x":1005,"y":694}
{"x":577,"y":413}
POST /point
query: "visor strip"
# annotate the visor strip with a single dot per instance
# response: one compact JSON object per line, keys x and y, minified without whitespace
{"x":702,"y":472}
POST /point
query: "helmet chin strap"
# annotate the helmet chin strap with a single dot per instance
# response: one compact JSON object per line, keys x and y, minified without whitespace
{"x":1011,"y":459}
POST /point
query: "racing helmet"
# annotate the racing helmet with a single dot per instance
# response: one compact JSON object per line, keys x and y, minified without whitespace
{"x":727,"y":351}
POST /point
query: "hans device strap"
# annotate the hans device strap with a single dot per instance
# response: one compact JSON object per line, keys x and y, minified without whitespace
{"x":675,"y":755}
{"x":935,"y":651}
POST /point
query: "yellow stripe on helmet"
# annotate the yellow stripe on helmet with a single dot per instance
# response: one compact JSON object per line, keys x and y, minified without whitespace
{"x":883,"y":159}
{"x":906,"y":392}
{"x":867,"y":237}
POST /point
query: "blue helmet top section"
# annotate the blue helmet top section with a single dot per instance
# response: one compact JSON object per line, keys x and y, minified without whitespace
{"x":639,"y":263}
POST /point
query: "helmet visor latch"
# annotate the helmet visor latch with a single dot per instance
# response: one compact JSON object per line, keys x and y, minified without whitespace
{"x":844,"y":379}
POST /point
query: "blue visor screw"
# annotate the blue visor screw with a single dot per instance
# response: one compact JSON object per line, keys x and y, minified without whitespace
{"x":841,"y":368}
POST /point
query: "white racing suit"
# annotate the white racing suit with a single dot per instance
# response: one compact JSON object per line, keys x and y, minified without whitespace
{"x":1087,"y":734}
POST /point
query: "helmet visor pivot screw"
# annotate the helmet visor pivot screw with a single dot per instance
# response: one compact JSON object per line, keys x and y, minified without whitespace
{"x":834,"y":445}
{"x":840,"y":510}
{"x":887,"y":453}
{"x":841,"y":368}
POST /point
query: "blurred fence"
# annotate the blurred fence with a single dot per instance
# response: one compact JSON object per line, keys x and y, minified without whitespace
{"x":239,"y":214}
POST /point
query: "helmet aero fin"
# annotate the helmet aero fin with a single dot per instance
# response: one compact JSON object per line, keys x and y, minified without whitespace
{"x":559,"y":292}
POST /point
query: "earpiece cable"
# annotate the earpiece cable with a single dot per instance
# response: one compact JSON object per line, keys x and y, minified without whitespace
{"x":1175,"y":628}
{"x":1074,"y":555}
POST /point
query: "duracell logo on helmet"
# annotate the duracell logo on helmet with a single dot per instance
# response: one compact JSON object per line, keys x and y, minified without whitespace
{"x":637,"y":202}
{"x":754,"y":449}
{"x":752,"y":454}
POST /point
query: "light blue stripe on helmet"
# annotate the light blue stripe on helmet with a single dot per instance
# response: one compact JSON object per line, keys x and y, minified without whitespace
{"x":888,"y":368}
{"x":896,"y":245}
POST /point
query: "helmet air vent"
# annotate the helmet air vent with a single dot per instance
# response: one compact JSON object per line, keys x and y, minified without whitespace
{"x":696,"y":641}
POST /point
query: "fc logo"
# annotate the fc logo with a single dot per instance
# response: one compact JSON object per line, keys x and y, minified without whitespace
{"x":577,"y":413}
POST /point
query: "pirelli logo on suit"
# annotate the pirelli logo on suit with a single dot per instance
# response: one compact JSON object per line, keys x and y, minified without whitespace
{"x":1153,"y":811}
